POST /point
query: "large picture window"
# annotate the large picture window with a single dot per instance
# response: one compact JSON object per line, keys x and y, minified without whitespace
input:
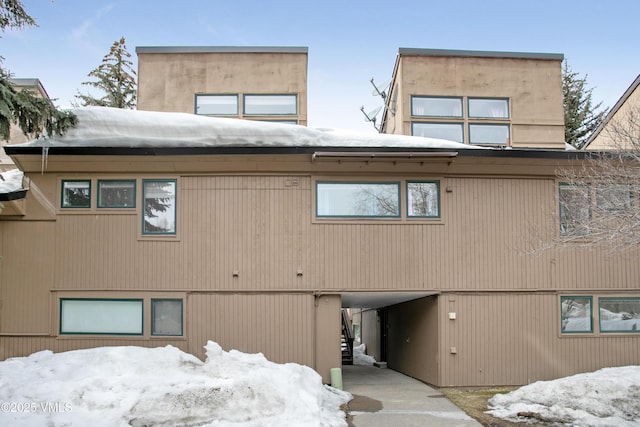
{"x":101,"y":316}
{"x":576,"y":314}
{"x":76,"y":194}
{"x":423,"y":199}
{"x":270,"y":105}
{"x":116,"y":194}
{"x":619,"y":314}
{"x":159,"y":200}
{"x":166,"y":317}
{"x":575,"y":210}
{"x":217,"y":105}
{"x":358,"y":199}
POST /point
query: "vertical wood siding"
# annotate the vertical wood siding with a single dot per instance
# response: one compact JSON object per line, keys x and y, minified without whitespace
{"x":262,"y":227}
{"x":281,"y":326}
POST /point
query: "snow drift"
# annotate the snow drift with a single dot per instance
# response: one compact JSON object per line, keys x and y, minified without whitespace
{"x":122,"y":386}
{"x":607,"y":397}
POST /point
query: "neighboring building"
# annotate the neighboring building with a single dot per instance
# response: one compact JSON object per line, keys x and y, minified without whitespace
{"x":474,"y":97}
{"x":16,"y":136}
{"x":155,"y":228}
{"x":255,"y":83}
{"x":627,"y":108}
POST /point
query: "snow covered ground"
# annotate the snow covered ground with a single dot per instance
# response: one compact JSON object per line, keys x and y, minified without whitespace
{"x":607,"y":397}
{"x":122,"y":386}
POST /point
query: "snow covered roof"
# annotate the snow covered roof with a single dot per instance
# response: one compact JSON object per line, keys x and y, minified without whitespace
{"x":112,"y":127}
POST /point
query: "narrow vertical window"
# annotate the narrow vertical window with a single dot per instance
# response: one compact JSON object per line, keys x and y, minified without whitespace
{"x":575,"y":210}
{"x":576,"y":314}
{"x":166,"y":317}
{"x":159,"y":205}
{"x":76,"y":194}
{"x":423,"y":199}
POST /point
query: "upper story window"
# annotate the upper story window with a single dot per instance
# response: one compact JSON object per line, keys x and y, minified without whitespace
{"x":431,"y":106}
{"x":217,"y":105}
{"x":159,"y":205}
{"x":470,"y":120}
{"x":448,"y":131}
{"x":488,"y":134}
{"x":358,"y":199}
{"x":575,"y":209}
{"x":271,"y":105}
{"x":487,"y":108}
{"x":116,"y":193}
{"x":423,"y":199}
{"x":76,"y":194}
{"x":613,"y":197}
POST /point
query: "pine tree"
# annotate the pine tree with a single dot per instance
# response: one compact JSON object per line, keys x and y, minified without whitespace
{"x":581,"y":116}
{"x":115,"y":78}
{"x":31,"y":113}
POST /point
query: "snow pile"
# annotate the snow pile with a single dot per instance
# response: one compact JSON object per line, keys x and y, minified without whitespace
{"x":113,"y":127}
{"x":608,"y":397}
{"x":359,"y":356}
{"x":11,"y":181}
{"x":122,"y":386}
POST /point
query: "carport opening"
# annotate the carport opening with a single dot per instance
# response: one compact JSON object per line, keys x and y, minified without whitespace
{"x":365,"y":333}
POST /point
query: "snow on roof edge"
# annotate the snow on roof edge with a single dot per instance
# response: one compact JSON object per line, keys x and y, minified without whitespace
{"x":112,"y":127}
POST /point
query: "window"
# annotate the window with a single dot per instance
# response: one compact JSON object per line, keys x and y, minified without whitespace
{"x":576,"y":315}
{"x":76,"y":194}
{"x":271,"y":105}
{"x":619,"y":314}
{"x":448,"y":131}
{"x":116,"y":194}
{"x":423,"y":199}
{"x":488,"y":134}
{"x":166,"y":317}
{"x":574,"y":209}
{"x":358,"y":199}
{"x":430,"y":106}
{"x":101,"y":316}
{"x":613,"y":197}
{"x":217,"y":105}
{"x":159,"y":200}
{"x":484,"y":120}
{"x":488,"y":108}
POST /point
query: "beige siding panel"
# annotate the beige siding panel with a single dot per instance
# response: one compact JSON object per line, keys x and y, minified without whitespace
{"x":255,"y":226}
{"x":328,"y":330}
{"x":26,"y":276}
{"x":412,"y":347}
{"x":515,"y":339}
{"x":281,"y":326}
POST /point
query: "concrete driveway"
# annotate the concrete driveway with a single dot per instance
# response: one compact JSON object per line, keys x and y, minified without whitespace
{"x":384,"y":397}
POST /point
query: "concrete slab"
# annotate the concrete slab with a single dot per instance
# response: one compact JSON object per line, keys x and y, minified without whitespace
{"x":384,"y":397}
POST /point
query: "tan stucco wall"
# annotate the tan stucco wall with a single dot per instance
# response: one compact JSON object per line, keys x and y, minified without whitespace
{"x":612,"y":134}
{"x":533,"y":87}
{"x":169,"y":81}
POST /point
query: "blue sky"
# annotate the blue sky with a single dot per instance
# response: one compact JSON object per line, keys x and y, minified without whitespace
{"x":349,"y":41}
